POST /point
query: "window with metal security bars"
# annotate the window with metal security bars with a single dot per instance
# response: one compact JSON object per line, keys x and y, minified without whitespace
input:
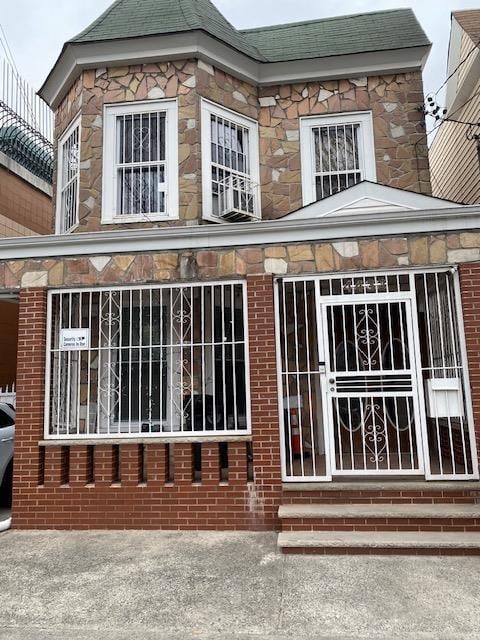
{"x":337,"y":164}
{"x":337,"y":153}
{"x":140,"y":165}
{"x":230,"y":165}
{"x":68,"y":179}
{"x":148,"y":361}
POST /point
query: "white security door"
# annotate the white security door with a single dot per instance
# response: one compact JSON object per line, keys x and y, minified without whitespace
{"x":371,"y":386}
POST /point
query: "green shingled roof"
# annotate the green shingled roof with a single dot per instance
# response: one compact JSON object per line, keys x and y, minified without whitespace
{"x":377,"y":31}
{"x":134,"y":18}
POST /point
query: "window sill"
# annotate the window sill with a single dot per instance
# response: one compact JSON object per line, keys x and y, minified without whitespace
{"x":68,"y":231}
{"x":76,"y":442}
{"x":137,"y":218}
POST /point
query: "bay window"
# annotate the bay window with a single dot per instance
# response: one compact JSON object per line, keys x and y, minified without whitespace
{"x":230,"y":165}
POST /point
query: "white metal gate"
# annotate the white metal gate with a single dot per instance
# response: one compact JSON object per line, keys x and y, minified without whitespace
{"x":372,"y":380}
{"x":372,"y":403}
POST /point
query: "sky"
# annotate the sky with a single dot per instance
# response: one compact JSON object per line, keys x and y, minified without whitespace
{"x":37,"y":29}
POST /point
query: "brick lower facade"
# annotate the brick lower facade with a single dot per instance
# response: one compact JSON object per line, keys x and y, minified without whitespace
{"x":153,"y":485}
{"x":156,"y":484}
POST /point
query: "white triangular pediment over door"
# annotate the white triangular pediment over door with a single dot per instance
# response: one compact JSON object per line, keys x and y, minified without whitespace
{"x":368,"y":198}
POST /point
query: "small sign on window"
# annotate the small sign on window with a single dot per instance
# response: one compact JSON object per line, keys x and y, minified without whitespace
{"x":74,"y":339}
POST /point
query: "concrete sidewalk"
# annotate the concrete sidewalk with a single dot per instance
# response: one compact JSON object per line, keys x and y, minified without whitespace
{"x":211,"y":586}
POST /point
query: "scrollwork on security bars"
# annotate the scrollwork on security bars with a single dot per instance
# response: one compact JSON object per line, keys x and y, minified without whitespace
{"x":374,"y":432}
{"x":368,"y":338}
{"x":368,"y":285}
{"x":109,"y":378}
{"x":181,"y":386}
{"x":181,"y":315}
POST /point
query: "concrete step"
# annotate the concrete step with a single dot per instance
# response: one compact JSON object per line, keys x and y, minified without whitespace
{"x":384,"y":485}
{"x":378,"y":542}
{"x":384,"y":511}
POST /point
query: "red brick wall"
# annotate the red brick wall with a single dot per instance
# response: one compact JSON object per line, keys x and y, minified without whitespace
{"x":30,"y":392}
{"x":470,"y":288}
{"x":81,"y":487}
{"x":23,"y":203}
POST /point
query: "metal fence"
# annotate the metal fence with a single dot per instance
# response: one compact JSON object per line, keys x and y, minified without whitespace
{"x":26,"y":124}
{"x":8,"y":394}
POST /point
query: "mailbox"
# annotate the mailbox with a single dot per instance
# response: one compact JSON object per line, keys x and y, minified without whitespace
{"x":444,"y":398}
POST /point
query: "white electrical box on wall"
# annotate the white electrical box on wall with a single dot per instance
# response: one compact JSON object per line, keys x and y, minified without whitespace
{"x":444,"y":398}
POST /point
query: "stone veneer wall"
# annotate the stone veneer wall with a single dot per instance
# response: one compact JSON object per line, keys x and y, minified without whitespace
{"x":401,"y":152}
{"x":202,"y":264}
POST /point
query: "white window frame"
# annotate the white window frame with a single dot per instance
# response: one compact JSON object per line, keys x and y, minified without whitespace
{"x":208,"y":109}
{"x":109,"y":189}
{"x":76,"y":409}
{"x":59,"y":213}
{"x":366,"y":147}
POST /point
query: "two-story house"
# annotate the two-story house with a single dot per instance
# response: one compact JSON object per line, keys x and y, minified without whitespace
{"x":252,"y":314}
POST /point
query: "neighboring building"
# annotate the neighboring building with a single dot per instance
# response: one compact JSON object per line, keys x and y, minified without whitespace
{"x":26,"y":158}
{"x":250,"y":314}
{"x":26,"y":168}
{"x":455,"y":151}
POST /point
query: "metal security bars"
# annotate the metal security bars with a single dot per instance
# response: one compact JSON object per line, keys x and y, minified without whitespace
{"x":148,"y":361}
{"x":373,"y":407}
{"x":141,"y":163}
{"x":69,"y":164}
{"x":230,"y":158}
{"x":448,"y":409}
{"x":26,"y":124}
{"x":372,"y":377}
{"x":236,"y":198}
{"x":337,"y":162}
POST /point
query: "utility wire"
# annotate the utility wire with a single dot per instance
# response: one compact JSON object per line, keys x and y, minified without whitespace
{"x":449,"y":119}
{"x":475,"y":47}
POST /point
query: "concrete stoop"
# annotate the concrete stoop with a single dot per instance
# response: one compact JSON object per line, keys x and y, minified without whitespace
{"x":380,"y":542}
{"x":377,"y":528}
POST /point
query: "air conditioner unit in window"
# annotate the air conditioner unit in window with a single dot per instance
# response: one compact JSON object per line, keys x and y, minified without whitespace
{"x":237,"y":199}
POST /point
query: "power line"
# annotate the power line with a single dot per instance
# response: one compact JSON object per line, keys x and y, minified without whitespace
{"x":475,"y":47}
{"x":449,"y":118}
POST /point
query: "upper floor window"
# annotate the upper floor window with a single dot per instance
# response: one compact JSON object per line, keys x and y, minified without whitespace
{"x":337,"y":152}
{"x":140,"y":169}
{"x":230,"y":165}
{"x":68,"y":178}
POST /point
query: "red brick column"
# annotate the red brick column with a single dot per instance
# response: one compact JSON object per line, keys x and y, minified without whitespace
{"x":30,"y":389}
{"x":470,"y":288}
{"x":267,"y":485}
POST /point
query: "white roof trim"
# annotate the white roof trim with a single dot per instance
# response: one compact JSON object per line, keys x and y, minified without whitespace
{"x":197,"y":44}
{"x":367,"y":198}
{"x":457,"y":93}
{"x":244,"y":234}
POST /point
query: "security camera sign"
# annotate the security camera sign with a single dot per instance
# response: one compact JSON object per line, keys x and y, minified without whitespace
{"x":74,"y":339}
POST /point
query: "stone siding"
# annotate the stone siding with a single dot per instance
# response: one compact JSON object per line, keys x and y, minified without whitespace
{"x":207,"y":264}
{"x":401,"y":152}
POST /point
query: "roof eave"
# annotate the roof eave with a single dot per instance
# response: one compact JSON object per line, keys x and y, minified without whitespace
{"x":387,"y":223}
{"x":198,"y":44}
